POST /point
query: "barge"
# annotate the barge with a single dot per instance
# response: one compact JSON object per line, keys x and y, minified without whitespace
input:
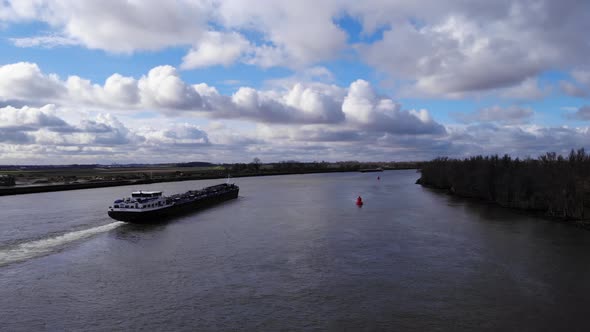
{"x":367,"y":170}
{"x":151,"y":206}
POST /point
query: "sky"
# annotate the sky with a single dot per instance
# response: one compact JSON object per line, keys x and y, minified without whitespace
{"x":149,"y":81}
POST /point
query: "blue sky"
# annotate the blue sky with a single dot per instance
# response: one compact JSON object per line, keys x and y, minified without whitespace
{"x":227,"y":81}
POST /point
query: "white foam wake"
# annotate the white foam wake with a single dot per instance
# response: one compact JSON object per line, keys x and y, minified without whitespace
{"x":45,"y":246}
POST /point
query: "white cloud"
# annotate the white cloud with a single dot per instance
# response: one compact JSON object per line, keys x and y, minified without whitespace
{"x":267,"y":56}
{"x":24,"y":80}
{"x":299,"y":32}
{"x":43,"y":126}
{"x":30,"y":118}
{"x":110,"y":131}
{"x":121,"y":90}
{"x":116,"y":26}
{"x":163,"y":87}
{"x":216,"y":48}
{"x":33,"y":138}
{"x":452,"y":58}
{"x":364,"y":107}
{"x":301,"y":117}
{"x":529,"y":89}
{"x":181,"y":135}
{"x":316,"y":105}
{"x":448,"y":49}
{"x":126,"y":27}
{"x":48,"y":41}
{"x":462,"y":48}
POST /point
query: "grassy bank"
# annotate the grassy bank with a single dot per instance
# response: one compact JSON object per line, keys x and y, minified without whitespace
{"x":59,"y":178}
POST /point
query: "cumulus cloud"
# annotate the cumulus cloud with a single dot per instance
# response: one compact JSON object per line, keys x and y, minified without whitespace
{"x":286,"y":40}
{"x":42,"y":125}
{"x":127,"y":27}
{"x":307,"y":134}
{"x":185,"y":134}
{"x":114,"y":25}
{"x":30,"y":119}
{"x":319,"y":106}
{"x":505,"y":115}
{"x":465,"y":49}
{"x":364,"y":107}
{"x":451,"y":58}
{"x":216,"y":48}
{"x":121,"y":90}
{"x":104,"y":138}
{"x":294,"y":119}
{"x":108,"y":130}
{"x":163,"y":87}
{"x":434,"y":49}
{"x":25,"y":80}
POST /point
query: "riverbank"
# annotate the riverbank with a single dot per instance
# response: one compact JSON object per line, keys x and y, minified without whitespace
{"x":174,"y":177}
{"x":539,"y":213}
{"x":552,"y":186}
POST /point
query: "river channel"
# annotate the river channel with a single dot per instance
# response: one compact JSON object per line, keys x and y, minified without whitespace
{"x":293,"y":252}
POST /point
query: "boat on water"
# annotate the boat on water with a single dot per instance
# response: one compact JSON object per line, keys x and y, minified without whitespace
{"x":366,"y":170}
{"x":151,"y":206}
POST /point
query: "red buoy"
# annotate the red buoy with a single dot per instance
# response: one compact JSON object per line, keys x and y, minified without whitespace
{"x":359,"y":201}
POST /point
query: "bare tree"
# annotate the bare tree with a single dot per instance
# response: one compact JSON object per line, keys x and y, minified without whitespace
{"x":256,"y":164}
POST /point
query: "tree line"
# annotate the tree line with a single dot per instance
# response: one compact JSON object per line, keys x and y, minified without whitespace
{"x":554,"y":184}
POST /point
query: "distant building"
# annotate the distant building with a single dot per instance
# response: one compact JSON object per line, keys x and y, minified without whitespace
{"x":6,"y":180}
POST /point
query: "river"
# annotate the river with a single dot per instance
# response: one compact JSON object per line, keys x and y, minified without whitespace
{"x":292,"y":252}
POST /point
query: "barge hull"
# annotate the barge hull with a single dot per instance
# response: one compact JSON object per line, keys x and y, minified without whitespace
{"x":156,"y":216}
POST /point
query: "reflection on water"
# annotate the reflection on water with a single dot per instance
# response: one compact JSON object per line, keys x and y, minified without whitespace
{"x":293,"y":253}
{"x":133,"y":232}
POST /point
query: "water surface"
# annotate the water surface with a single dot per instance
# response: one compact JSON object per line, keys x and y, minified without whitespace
{"x":291,"y":253}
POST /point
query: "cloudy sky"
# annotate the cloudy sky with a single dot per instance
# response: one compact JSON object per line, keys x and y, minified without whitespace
{"x":114,"y":81}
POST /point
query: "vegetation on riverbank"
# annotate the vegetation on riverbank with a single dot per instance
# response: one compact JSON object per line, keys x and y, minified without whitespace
{"x":552,"y":184}
{"x":32,"y":179}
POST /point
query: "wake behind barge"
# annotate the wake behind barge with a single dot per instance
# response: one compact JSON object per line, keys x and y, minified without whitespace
{"x":151,"y":206}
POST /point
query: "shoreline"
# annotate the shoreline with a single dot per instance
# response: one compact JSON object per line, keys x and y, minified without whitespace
{"x":9,"y":191}
{"x":582,"y":223}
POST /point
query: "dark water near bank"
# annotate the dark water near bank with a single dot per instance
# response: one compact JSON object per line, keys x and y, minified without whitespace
{"x":291,"y":253}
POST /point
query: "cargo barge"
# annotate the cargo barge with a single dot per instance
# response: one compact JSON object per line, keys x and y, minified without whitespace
{"x":151,"y":206}
{"x":367,"y":170}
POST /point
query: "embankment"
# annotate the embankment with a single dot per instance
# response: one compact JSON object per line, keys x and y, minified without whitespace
{"x":203,"y":176}
{"x":552,"y":185}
